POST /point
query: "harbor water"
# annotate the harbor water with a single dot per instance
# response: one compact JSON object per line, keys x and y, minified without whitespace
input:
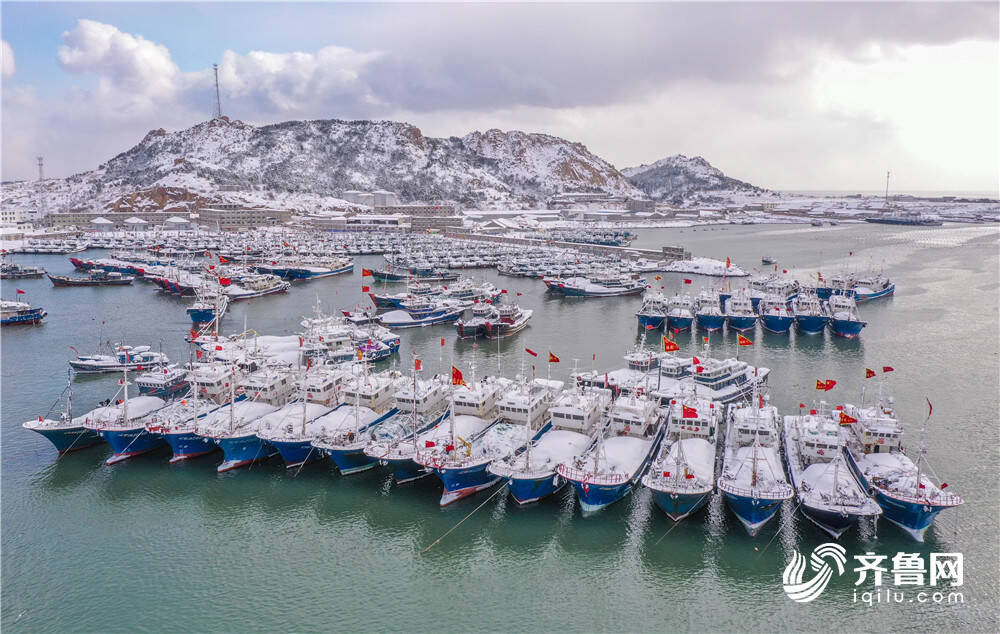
{"x":148,"y":546}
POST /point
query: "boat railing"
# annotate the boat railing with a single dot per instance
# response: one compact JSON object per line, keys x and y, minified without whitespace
{"x":932,"y":499}
{"x":779,"y":490}
{"x":587,"y":477}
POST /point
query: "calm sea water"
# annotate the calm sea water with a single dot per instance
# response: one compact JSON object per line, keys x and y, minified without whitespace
{"x":145,"y":545}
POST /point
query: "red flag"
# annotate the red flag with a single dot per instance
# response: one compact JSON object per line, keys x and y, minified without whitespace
{"x":802,"y":405}
{"x":223,"y":260}
{"x":428,"y":444}
{"x":197,"y":354}
{"x":366,"y":273}
{"x":847,"y":420}
{"x":689,"y":412}
{"x":366,"y":289}
{"x":930,"y":408}
{"x":225,"y":281}
{"x":687,"y":281}
{"x":650,"y":327}
{"x":553,"y":358}
{"x":503,"y":290}
{"x":518,"y":294}
{"x":743,"y":341}
{"x":20,"y":292}
{"x":658,"y":278}
{"x":869,"y":373}
{"x":670,"y":346}
{"x":456,"y":376}
{"x":301,"y":341}
{"x":285,"y":244}
{"x":705,"y":339}
{"x":784,"y":270}
{"x":416,"y":364}
{"x":531,"y":352}
{"x":887,"y":368}
{"x":442,"y":342}
{"x":699,"y":369}
{"x":826,"y":386}
{"x":218,"y":347}
{"x":449,"y":447}
{"x":138,"y":368}
{"x":695,"y":360}
{"x":728,"y":262}
{"x":207,"y":254}
{"x":194,"y":335}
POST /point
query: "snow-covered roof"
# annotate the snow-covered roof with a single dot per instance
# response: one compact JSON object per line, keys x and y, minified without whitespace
{"x":175,"y":220}
{"x":101,"y":220}
{"x":135,"y":221}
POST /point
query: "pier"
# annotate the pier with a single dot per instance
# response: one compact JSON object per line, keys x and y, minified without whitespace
{"x":668,"y":253}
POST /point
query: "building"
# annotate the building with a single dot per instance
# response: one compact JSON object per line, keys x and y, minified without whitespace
{"x":676,"y":253}
{"x":425,"y":223}
{"x":10,"y":217}
{"x":640,"y":205}
{"x":117,"y":218}
{"x":237,"y":217}
{"x":385,"y":198}
{"x":375,"y":222}
{"x":415,"y":211}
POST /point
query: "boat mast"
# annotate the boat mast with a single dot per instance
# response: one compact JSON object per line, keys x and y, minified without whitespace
{"x":232,"y":405}
{"x":414,"y":421}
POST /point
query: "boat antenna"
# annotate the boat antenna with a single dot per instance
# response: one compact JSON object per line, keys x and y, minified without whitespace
{"x":887,"y":189}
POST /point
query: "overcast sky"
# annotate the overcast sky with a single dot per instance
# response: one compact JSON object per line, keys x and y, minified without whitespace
{"x":786,"y":96}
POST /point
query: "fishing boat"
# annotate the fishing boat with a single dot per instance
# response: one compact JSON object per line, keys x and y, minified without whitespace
{"x":811,"y":316}
{"x":845,"y":321}
{"x":773,"y":284}
{"x":614,"y":466}
{"x":475,"y":326}
{"x":424,"y":406}
{"x":680,"y":312}
{"x":753,"y":480}
{"x":122,"y":424}
{"x":462,"y":464}
{"x":165,"y":383}
{"x":177,"y":424}
{"x":740,"y":314}
{"x":395,"y":300}
{"x":210,"y":306}
{"x":653,"y":313}
{"x":768,"y":260}
{"x":67,"y":433}
{"x":708,"y":312}
{"x":123,"y":357}
{"x":414,"y":273}
{"x":775,"y":315}
{"x":95,"y":278}
{"x":233,"y":427}
{"x":316,"y":268}
{"x":403,"y":319}
{"x":15,"y":271}
{"x":606,"y":284}
{"x":291,"y":430}
{"x":873,"y":287}
{"x":903,"y":487}
{"x":15,"y":313}
{"x":682,"y":476}
{"x":508,"y":320}
{"x":255,"y":285}
{"x":825,"y":487}
{"x":573,"y":429}
{"x":368,"y":402}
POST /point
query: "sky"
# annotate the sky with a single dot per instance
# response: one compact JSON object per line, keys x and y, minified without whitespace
{"x":796,"y":96}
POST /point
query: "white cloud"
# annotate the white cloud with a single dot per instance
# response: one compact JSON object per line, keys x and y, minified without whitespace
{"x":7,"y":66}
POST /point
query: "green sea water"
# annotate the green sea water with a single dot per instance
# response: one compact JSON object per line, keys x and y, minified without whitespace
{"x":147,"y":546}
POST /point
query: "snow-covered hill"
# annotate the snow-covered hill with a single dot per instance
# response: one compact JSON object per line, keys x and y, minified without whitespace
{"x":307,"y":164}
{"x":681,"y":180}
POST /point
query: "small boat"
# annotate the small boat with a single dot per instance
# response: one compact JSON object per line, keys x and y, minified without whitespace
{"x":16,"y":313}
{"x":845,"y":321}
{"x":768,"y":260}
{"x":509,"y":319}
{"x":753,"y":480}
{"x":574,"y":420}
{"x":123,"y":357}
{"x":95,"y":278}
{"x":873,"y":287}
{"x":740,"y":314}
{"x":210,"y":306}
{"x":682,"y":476}
{"x":254,"y":285}
{"x":475,"y":326}
{"x":903,"y":487}
{"x":67,"y":433}
{"x":827,"y":490}
{"x":775,"y":315}
{"x":164,"y":383}
{"x":615,"y":465}
{"x":811,"y":316}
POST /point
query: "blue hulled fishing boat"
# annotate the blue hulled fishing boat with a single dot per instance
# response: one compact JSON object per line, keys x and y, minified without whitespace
{"x":67,"y":433}
{"x":708,"y":311}
{"x":845,"y":321}
{"x":811,"y":316}
{"x":775,"y":315}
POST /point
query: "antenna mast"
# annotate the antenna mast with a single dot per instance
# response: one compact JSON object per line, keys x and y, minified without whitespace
{"x":217,"y":113}
{"x":41,"y":193}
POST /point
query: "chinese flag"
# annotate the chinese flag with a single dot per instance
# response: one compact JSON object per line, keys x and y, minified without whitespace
{"x":531,"y":352}
{"x":366,"y":273}
{"x":223,"y":260}
{"x":194,"y":335}
{"x":826,"y":386}
{"x":20,"y":292}
{"x":689,"y":412}
{"x":695,"y":360}
{"x":503,"y":290}
{"x":670,"y":346}
{"x":197,"y":354}
{"x":743,"y":341}
{"x":553,"y":358}
{"x":442,"y":342}
{"x":366,"y":289}
{"x":687,"y":281}
{"x":225,"y":281}
{"x":887,"y":368}
{"x":847,"y":420}
{"x":416,"y":364}
{"x":456,"y":376}
{"x":869,"y":373}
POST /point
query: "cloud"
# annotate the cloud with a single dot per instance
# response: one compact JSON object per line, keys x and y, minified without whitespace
{"x":7,"y":66}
